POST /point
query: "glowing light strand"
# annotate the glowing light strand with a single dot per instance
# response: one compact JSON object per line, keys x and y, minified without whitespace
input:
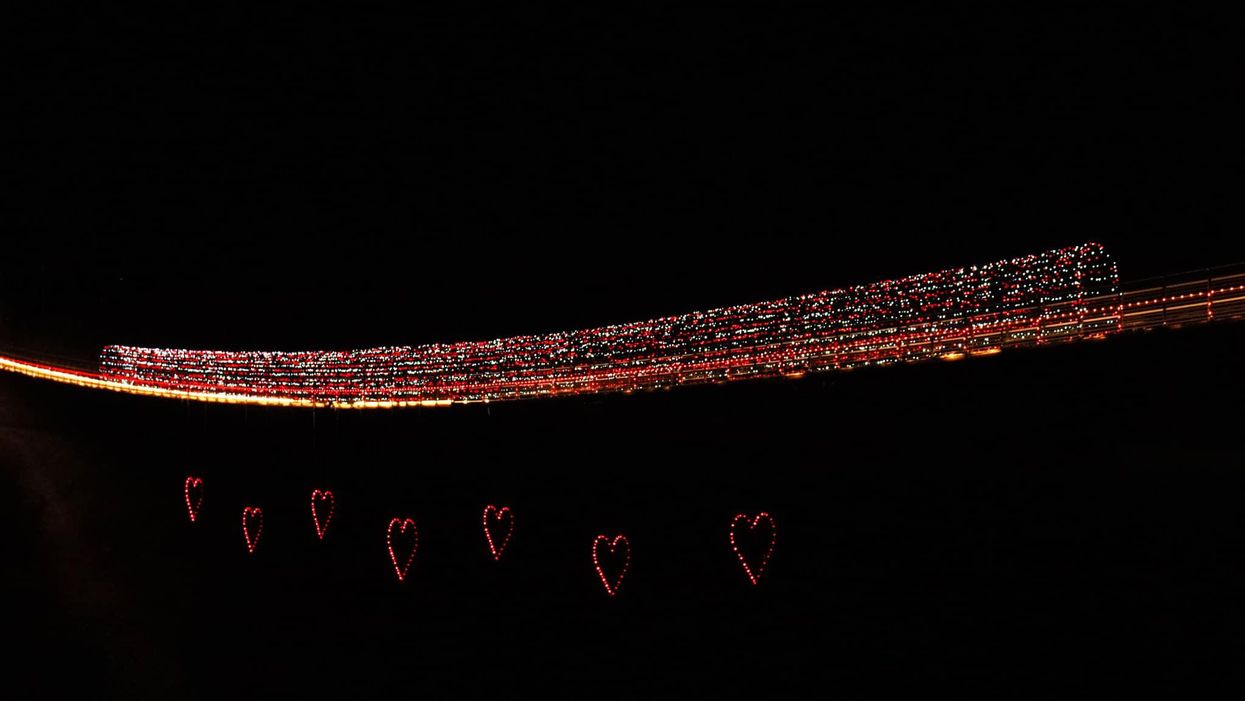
{"x":402,"y":557}
{"x":318,"y":498}
{"x":1145,"y":308}
{"x":252,"y":527}
{"x":192,"y":490}
{"x":753,"y":570}
{"x":1033,"y":299}
{"x":611,"y":580}
{"x":500,"y":516}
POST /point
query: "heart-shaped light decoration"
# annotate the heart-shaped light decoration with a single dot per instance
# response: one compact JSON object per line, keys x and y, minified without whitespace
{"x":752,"y":545}
{"x":611,"y":560}
{"x":498,"y":527}
{"x":402,"y":538}
{"x":192,"y":489}
{"x":321,"y":511}
{"x":252,"y":526}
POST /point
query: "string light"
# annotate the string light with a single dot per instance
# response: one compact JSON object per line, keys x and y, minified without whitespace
{"x":252,"y":526}
{"x":753,"y":570}
{"x":611,"y":581}
{"x":401,"y":556}
{"x":1089,"y":307}
{"x":1060,"y":293}
{"x":502,"y":516}
{"x":319,"y":498}
{"x":192,"y":489}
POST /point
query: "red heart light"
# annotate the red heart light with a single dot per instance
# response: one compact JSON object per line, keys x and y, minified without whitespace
{"x":402,"y":547}
{"x":612,"y":566}
{"x":321,"y":505}
{"x":753,"y":543}
{"x":252,"y":526}
{"x":500,"y":517}
{"x":193,"y":491}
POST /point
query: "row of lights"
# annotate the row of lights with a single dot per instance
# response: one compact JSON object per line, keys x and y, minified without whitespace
{"x":1082,"y":315}
{"x":611,"y":555}
{"x":1059,"y":292}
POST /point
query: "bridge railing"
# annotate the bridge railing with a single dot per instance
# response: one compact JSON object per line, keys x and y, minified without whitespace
{"x":1215,"y":294}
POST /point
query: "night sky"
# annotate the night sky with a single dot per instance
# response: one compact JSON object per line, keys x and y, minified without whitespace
{"x":225,"y":179}
{"x":214,"y":178}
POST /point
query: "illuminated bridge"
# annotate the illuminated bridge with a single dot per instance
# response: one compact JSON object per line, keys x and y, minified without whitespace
{"x":1062,"y":295}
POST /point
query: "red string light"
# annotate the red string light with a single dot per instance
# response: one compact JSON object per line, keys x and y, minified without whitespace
{"x":753,"y":570}
{"x":192,"y":489}
{"x":402,"y":555}
{"x":501,"y":517}
{"x":252,"y":526}
{"x":613,"y":579}
{"x":320,"y":498}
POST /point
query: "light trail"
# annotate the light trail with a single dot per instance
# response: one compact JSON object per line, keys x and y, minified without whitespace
{"x":1183,"y":300}
{"x":93,"y":380}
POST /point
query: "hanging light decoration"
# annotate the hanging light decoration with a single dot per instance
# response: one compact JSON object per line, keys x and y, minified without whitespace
{"x":402,"y":539}
{"x":1068,"y":291}
{"x":322,"y":504}
{"x":252,"y":527}
{"x":610,"y":558}
{"x":752,"y":539}
{"x":498,"y":527}
{"x":192,"y":490}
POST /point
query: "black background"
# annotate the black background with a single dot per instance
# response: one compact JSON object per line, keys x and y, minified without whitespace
{"x":295,"y":181}
{"x":1055,"y":517}
{"x":224,"y":179}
